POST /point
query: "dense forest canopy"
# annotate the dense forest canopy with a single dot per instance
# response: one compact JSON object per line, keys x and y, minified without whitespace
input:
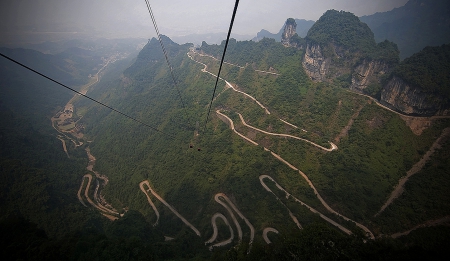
{"x":428,"y":69}
{"x":341,"y":28}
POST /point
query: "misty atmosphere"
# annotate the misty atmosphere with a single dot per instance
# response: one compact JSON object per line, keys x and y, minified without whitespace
{"x":137,"y":130}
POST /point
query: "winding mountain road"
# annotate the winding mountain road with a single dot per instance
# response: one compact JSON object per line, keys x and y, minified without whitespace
{"x":396,"y":112}
{"x":267,"y":230}
{"x":145,"y":182}
{"x":233,"y":129}
{"x":215,"y":231}
{"x":101,"y":208}
{"x":261,"y":179}
{"x":333,"y":146}
{"x":430,"y":223}
{"x":414,"y":169}
{"x":218,"y":197}
{"x":311,"y":185}
{"x":141,"y":186}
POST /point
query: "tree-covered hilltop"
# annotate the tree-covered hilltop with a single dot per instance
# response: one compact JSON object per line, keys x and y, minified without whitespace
{"x":428,"y":69}
{"x":341,"y":28}
{"x":345,"y":31}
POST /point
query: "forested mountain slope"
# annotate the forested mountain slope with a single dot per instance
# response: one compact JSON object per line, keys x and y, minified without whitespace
{"x":417,"y":24}
{"x":267,"y":93}
{"x":281,"y":159}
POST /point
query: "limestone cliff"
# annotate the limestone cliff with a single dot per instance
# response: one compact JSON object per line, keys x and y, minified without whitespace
{"x":316,"y":65}
{"x":289,"y":31}
{"x":368,"y":72}
{"x":412,"y":100}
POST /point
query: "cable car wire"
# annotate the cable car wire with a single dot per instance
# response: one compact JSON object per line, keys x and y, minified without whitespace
{"x":167,"y":58}
{"x":92,"y":99}
{"x":221,"y":61}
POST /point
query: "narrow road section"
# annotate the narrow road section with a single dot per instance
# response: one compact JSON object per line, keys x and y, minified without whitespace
{"x":333,"y":146}
{"x":416,"y":168}
{"x":430,"y":223}
{"x":267,"y":230}
{"x":218,"y":197}
{"x":261,"y":179}
{"x":216,"y":233}
{"x":141,"y":186}
{"x":145,"y":182}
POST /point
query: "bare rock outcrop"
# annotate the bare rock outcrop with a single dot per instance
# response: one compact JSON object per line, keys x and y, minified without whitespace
{"x":412,"y":100}
{"x":289,"y":31}
{"x":316,"y":65}
{"x":369,"y":71}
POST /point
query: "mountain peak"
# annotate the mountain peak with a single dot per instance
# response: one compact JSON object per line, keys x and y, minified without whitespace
{"x":342,"y":28}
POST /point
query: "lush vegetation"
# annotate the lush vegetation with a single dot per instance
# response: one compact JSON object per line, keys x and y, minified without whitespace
{"x":38,"y":181}
{"x":343,"y":29}
{"x":428,"y":70}
{"x":355,"y":180}
{"x":350,"y":37}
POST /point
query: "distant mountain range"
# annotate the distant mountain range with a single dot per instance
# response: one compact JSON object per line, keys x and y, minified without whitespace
{"x":417,"y":24}
{"x":302,"y":29}
{"x":412,"y":27}
{"x":210,"y":38}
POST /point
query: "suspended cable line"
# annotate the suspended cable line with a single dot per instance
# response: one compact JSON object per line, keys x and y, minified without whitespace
{"x":92,"y":99}
{"x":167,"y":58}
{"x":221,"y":61}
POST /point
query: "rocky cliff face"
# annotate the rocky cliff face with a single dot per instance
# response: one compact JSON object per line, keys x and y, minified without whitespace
{"x":366,"y":73}
{"x":289,"y":31}
{"x":412,"y":100}
{"x":314,"y":62}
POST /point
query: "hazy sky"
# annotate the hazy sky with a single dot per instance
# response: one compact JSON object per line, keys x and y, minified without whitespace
{"x":122,"y":18}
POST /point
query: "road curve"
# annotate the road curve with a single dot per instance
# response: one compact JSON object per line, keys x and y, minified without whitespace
{"x":368,"y":232}
{"x":169,"y":206}
{"x":267,"y":230}
{"x":333,"y":146}
{"x":79,"y":192}
{"x":414,"y":169}
{"x":233,"y":129}
{"x":230,"y":85}
{"x":233,"y":217}
{"x":429,"y":223}
{"x":252,"y":229}
{"x":141,"y":186}
{"x":396,"y":112}
{"x":242,"y":67}
{"x":261,"y":179}
{"x":64,"y":145}
{"x":215,"y":233}
{"x":86,"y":195}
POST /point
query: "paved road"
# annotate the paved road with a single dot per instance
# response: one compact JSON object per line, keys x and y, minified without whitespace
{"x":215,"y":233}
{"x":232,"y":128}
{"x":430,"y":223}
{"x":141,"y":186}
{"x":267,"y":230}
{"x":333,"y":146}
{"x":218,"y":197}
{"x":86,"y":195}
{"x":145,"y":182}
{"x":261,"y":179}
{"x":416,"y":168}
{"x":396,"y":112}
